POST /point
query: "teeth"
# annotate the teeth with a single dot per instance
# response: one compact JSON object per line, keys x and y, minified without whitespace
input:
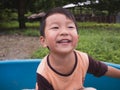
{"x":64,"y":41}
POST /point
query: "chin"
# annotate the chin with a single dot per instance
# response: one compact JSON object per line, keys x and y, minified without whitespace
{"x":65,"y":51}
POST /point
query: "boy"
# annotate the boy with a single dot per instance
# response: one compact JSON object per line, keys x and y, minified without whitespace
{"x":64,"y":68}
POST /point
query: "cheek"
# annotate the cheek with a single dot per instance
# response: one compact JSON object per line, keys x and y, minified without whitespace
{"x":50,"y":36}
{"x":50,"y":39}
{"x":76,"y":38}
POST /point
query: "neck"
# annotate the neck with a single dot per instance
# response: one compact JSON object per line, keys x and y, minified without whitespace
{"x":61,"y":59}
{"x":63,"y":65}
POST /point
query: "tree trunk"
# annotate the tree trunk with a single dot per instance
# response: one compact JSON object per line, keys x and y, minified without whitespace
{"x":21,"y":12}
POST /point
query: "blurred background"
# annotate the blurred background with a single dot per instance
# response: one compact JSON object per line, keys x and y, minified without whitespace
{"x":98,"y":22}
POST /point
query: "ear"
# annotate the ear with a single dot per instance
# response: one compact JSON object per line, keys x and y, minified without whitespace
{"x":43,"y":41}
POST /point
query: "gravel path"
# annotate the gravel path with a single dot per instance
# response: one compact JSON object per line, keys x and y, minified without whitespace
{"x":17,"y":47}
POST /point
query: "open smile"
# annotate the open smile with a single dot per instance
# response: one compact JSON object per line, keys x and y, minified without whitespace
{"x":64,"y":41}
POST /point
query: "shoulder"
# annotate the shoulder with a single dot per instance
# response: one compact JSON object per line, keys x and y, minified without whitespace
{"x":83,"y":61}
{"x":96,"y":67}
{"x":82,"y":56}
{"x":42,"y":66}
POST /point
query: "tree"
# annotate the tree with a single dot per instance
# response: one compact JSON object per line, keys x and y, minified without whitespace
{"x":21,"y":6}
{"x":112,"y":6}
{"x":21,"y":12}
{"x":45,"y":5}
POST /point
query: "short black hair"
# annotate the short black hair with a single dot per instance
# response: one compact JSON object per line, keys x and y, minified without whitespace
{"x":60,"y":10}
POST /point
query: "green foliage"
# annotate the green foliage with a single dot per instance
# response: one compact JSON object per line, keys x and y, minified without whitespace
{"x":33,"y":24}
{"x":9,"y":24}
{"x":101,"y":41}
{"x":11,"y":27}
{"x":40,"y":53}
{"x":14,"y":24}
{"x":7,"y":15}
{"x":112,"y":6}
{"x":101,"y":44}
{"x":30,"y":32}
{"x":95,"y":25}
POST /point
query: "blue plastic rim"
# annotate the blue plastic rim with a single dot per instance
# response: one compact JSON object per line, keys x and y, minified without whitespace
{"x":21,"y":75}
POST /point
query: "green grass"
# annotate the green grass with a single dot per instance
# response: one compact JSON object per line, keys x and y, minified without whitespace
{"x":15,"y":24}
{"x":9,"y":24}
{"x":11,"y":27}
{"x":101,"y":44}
{"x":108,"y":26}
{"x":40,"y":53}
{"x":101,"y":41}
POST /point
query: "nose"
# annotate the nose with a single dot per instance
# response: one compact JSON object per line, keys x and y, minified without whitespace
{"x":64,"y":32}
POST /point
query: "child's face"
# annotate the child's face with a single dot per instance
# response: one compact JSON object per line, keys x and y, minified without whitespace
{"x":60,"y":34}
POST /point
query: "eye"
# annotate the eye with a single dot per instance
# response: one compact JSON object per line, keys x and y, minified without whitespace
{"x":55,"y":27}
{"x":71,"y":27}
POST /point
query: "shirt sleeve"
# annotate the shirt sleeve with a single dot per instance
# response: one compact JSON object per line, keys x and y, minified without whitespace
{"x":97,"y":68}
{"x":43,"y":84}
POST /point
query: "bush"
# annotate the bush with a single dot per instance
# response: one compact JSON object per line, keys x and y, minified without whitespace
{"x":7,"y":15}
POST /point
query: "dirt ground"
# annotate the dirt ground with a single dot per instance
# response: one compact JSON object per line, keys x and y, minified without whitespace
{"x":17,"y":46}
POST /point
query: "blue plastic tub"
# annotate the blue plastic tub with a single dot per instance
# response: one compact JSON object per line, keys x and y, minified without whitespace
{"x":21,"y":75}
{"x":18,"y":74}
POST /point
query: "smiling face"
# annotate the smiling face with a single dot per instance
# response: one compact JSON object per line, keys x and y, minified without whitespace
{"x":60,"y":34}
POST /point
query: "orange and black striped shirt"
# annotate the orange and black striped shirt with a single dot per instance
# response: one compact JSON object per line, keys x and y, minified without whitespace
{"x":49,"y":79}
